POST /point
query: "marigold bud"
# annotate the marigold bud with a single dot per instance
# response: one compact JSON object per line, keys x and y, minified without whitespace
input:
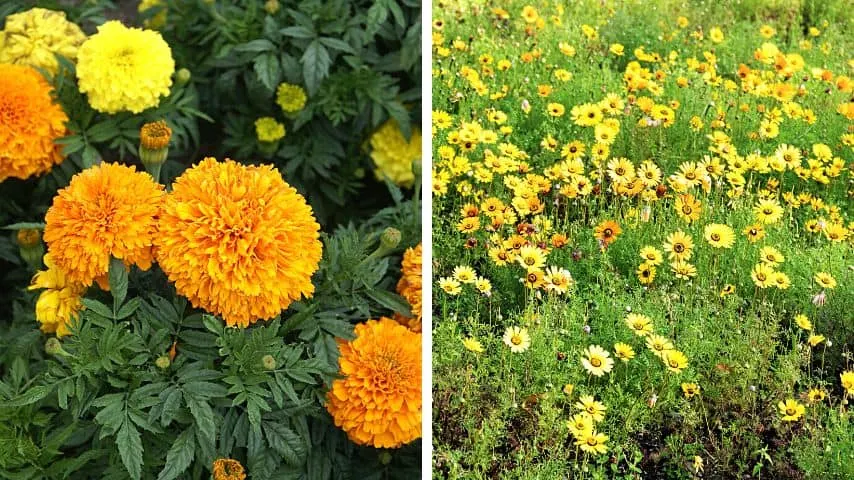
{"x":269,"y":362}
{"x":155,"y":136}
{"x":29,"y":237}
{"x":31,"y":247}
{"x":163,"y":362}
{"x":271,"y":6}
{"x":390,"y":238}
{"x":183,"y":77}
{"x":385,"y":457}
{"x":54,"y":347}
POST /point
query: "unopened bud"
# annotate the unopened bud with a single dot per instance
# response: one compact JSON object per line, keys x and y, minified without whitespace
{"x":183,"y":77}
{"x":269,"y":362}
{"x":31,"y":247}
{"x":390,"y":238}
{"x":163,"y":362}
{"x":54,"y":347}
{"x":385,"y":457}
{"x":154,"y":146}
{"x":271,"y":6}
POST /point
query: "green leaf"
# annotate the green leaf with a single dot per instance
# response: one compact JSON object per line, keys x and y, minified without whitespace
{"x":268,"y":70}
{"x":97,"y":307}
{"x":118,"y":282}
{"x":204,"y":416}
{"x":130,"y":448}
{"x":128,"y":308}
{"x":24,"y":226}
{"x":256,"y":46}
{"x":298,"y":32}
{"x":391,"y":301}
{"x":180,"y":456}
{"x":285,"y":442}
{"x":32,"y":395}
{"x":337,"y":44}
{"x":316,"y":63}
{"x":377,"y":15}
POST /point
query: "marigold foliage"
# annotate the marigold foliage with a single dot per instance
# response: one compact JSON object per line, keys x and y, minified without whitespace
{"x":393,"y":155}
{"x":378,"y":403}
{"x":124,"y":69}
{"x":238,"y":241}
{"x":107,"y":210}
{"x":30,"y":122}
{"x":34,"y":38}
{"x":58,"y":305}
{"x":409,"y":287}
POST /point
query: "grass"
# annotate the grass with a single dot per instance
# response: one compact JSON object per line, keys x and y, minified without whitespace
{"x":499,"y":414}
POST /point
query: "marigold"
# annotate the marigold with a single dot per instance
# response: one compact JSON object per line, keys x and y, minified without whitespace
{"x":59,"y":304}
{"x":267,"y":129}
{"x":378,"y":402}
{"x":227,"y":469}
{"x":409,"y":287}
{"x":393,"y":155}
{"x":30,"y":122}
{"x":237,"y":240}
{"x":291,"y":98}
{"x":35,"y":37}
{"x":107,"y":210}
{"x":122,"y":68}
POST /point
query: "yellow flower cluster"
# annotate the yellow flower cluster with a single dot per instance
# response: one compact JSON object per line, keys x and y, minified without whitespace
{"x":393,"y":155}
{"x":59,"y":304}
{"x":34,"y":38}
{"x":290,"y":97}
{"x":267,"y":129}
{"x":124,"y":69}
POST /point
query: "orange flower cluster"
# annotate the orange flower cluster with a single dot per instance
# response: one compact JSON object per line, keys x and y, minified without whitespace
{"x":107,"y":210}
{"x":378,"y":402}
{"x":30,"y":122}
{"x":228,"y":469}
{"x":409,"y":287}
{"x":238,"y":241}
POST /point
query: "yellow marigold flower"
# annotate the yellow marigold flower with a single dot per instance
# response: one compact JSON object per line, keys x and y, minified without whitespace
{"x":227,"y":469}
{"x":847,"y":380}
{"x":30,"y":121}
{"x":122,"y":68}
{"x":59,"y":304}
{"x":35,"y":36}
{"x":159,"y":19}
{"x":290,"y":97}
{"x":393,"y":155}
{"x":237,"y":240}
{"x":267,"y":129}
{"x":107,"y":210}
{"x":409,"y":287}
{"x":378,"y":402}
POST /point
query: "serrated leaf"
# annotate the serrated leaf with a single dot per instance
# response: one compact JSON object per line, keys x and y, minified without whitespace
{"x":32,"y":395}
{"x":128,"y":308}
{"x":25,"y":225}
{"x":337,"y":44}
{"x":315,"y":65}
{"x":129,"y":444}
{"x":391,"y":301}
{"x":180,"y":456}
{"x":298,"y":32}
{"x":285,"y":442}
{"x":204,"y":416}
{"x":268,"y":70}
{"x":256,"y":46}
{"x":97,"y":307}
{"x":118,"y":276}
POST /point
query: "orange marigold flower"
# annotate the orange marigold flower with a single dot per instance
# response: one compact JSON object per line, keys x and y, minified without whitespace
{"x":228,"y":469}
{"x":409,"y":287}
{"x":107,"y":210}
{"x":155,"y":135}
{"x":238,"y":241}
{"x":378,"y":402}
{"x":30,"y":121}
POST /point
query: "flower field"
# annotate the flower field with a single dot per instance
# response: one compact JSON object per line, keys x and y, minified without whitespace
{"x":210,"y":240}
{"x":642,"y":250}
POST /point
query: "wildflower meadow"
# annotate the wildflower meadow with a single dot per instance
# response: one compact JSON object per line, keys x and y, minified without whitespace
{"x":210,"y":240}
{"x":642,"y":248}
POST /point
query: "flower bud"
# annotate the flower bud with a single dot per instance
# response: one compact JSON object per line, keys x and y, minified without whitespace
{"x":269,"y":362}
{"x":31,"y":247}
{"x":385,"y":457}
{"x":271,"y":6}
{"x":163,"y":362}
{"x":154,"y":146}
{"x":390,"y":238}
{"x":183,"y":77}
{"x":54,"y":347}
